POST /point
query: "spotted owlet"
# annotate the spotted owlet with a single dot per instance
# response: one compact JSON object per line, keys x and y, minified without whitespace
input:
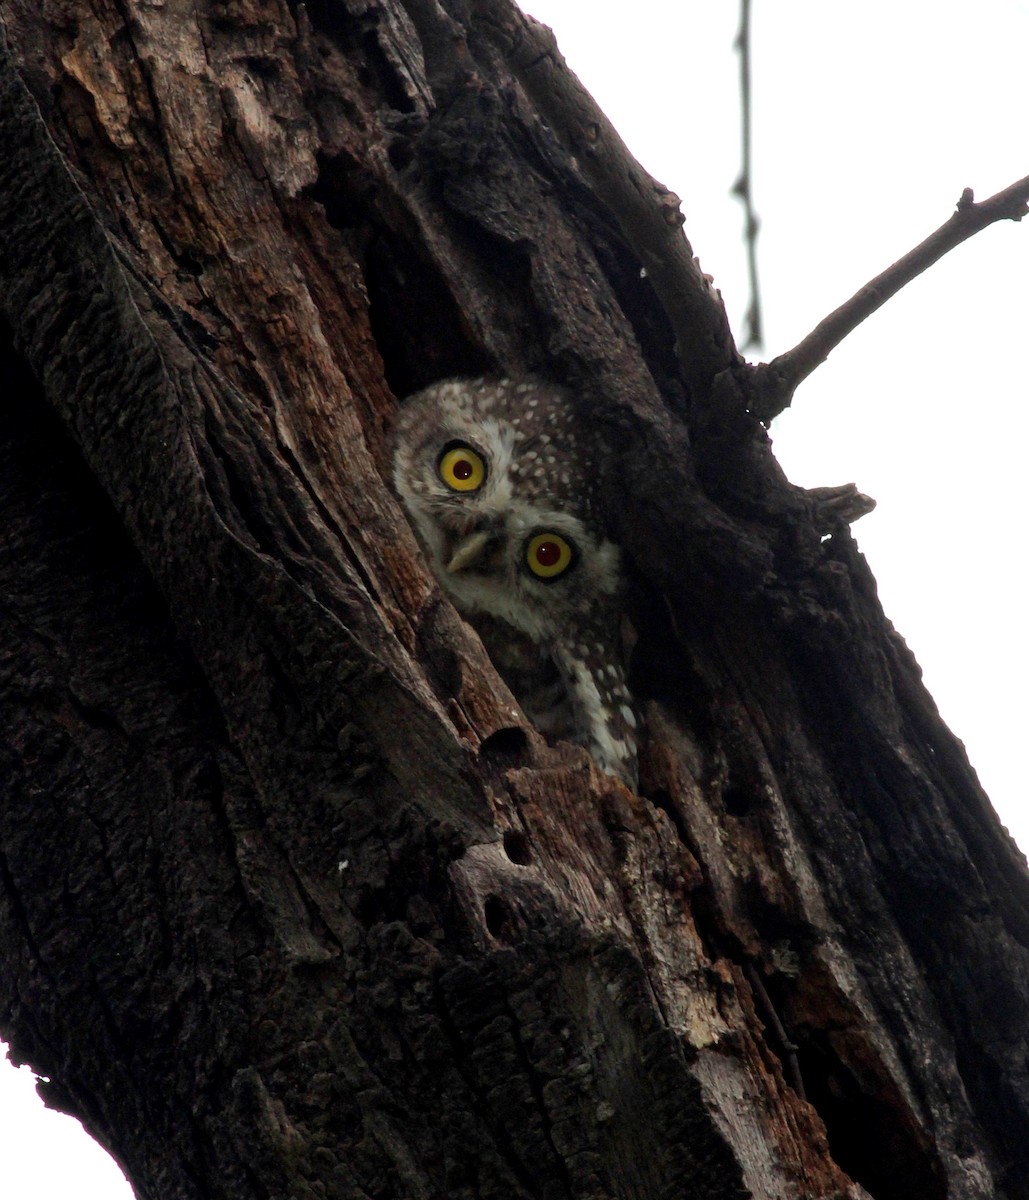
{"x":498,"y":477}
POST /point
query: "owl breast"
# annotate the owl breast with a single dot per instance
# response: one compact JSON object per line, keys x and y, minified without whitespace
{"x":500,"y":483}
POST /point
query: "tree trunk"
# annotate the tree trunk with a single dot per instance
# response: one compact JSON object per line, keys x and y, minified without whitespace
{"x":293,"y":901}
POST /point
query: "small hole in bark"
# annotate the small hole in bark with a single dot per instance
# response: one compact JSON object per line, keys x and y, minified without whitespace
{"x":262,"y":68}
{"x":505,"y":747}
{"x":385,"y":78}
{"x":516,"y":846}
{"x":496,"y":914}
{"x":400,"y":155}
{"x":738,"y":800}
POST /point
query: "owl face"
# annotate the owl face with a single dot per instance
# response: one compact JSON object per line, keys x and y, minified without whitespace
{"x":501,"y":488}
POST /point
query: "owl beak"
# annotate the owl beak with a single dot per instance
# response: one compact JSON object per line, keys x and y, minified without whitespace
{"x":469,"y":550}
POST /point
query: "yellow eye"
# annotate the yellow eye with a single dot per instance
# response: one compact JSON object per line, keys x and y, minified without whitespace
{"x":461,"y":469}
{"x":548,"y":555}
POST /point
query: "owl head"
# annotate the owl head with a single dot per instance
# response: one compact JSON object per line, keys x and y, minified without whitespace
{"x":494,"y":477}
{"x":499,"y":480}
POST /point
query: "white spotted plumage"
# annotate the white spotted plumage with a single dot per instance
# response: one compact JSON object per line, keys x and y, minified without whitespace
{"x":556,"y":640}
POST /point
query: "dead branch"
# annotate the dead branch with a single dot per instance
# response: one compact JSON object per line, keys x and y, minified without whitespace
{"x":771,"y":385}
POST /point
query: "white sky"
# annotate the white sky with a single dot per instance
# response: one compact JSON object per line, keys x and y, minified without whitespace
{"x":869,"y":120}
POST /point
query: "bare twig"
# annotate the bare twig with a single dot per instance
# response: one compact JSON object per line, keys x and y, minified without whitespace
{"x":770,"y":386}
{"x":743,"y":188}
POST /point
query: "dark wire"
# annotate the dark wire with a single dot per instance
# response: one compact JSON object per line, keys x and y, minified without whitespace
{"x":754,"y":334}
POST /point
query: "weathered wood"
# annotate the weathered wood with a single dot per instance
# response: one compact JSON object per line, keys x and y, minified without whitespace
{"x":292,"y":900}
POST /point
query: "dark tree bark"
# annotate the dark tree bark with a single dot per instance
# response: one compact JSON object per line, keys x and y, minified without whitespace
{"x":292,"y":900}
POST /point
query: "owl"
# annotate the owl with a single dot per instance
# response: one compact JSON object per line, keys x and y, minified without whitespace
{"x":499,"y":480}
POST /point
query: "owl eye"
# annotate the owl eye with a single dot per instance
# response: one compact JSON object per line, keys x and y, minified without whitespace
{"x":548,"y":555}
{"x":461,"y":468}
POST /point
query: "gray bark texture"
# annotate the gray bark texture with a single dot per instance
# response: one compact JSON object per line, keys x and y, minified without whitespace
{"x":293,"y":902}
